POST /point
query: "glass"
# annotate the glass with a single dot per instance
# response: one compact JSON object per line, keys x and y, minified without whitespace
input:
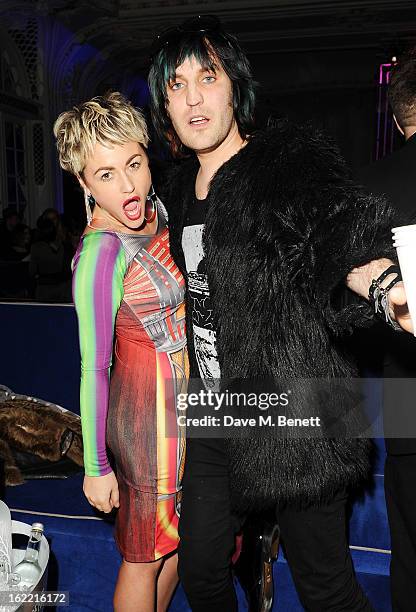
{"x":13,"y":581}
{"x":4,"y":570}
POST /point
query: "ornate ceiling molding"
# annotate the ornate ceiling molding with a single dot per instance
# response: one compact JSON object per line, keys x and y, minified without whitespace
{"x":265,"y":28}
{"x":122,"y":30}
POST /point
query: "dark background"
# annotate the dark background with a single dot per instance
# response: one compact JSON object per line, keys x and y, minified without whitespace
{"x":314,"y":61}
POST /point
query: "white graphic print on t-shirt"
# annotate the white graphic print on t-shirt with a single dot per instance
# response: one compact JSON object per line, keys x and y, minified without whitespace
{"x":204,"y":332}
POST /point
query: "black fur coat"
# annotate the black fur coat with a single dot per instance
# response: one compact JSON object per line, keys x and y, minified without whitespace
{"x":284,"y":227}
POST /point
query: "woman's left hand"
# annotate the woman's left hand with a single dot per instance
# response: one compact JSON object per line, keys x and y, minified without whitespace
{"x":102,"y":491}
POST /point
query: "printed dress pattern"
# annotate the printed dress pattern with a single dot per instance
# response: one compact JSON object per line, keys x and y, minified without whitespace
{"x":150,"y":367}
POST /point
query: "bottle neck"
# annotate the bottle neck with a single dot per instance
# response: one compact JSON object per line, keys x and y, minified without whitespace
{"x":33,"y":547}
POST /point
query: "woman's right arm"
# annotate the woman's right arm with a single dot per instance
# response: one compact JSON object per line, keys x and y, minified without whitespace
{"x":99,"y":269}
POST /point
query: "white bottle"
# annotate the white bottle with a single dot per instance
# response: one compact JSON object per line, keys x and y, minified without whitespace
{"x":29,"y":569}
{"x":5,"y":539}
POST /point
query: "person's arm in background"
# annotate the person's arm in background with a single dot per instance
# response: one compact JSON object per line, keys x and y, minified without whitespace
{"x":345,"y":239}
{"x":99,"y":269}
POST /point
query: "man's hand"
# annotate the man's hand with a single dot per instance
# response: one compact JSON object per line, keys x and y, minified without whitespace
{"x":102,"y":491}
{"x":359,"y":281}
{"x":399,"y":308}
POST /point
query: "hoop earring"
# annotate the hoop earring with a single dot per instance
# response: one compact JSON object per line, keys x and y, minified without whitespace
{"x":150,"y":207}
{"x":89,"y":203}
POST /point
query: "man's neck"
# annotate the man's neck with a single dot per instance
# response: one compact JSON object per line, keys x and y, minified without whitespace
{"x":211,"y":161}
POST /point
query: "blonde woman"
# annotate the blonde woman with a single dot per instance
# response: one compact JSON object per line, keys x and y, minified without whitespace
{"x":128,"y":294}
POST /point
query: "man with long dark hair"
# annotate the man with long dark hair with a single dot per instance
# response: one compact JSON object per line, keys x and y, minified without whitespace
{"x":265,"y":226}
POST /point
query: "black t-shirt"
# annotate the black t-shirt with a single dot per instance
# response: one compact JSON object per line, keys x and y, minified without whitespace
{"x":199,"y":302}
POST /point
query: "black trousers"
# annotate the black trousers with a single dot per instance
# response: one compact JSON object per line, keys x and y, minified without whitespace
{"x":400,"y":489}
{"x":315,"y":542}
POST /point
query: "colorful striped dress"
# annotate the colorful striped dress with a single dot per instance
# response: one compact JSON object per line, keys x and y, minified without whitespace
{"x":129,"y":299}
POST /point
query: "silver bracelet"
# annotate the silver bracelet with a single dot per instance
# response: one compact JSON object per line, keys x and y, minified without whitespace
{"x":379,"y":296}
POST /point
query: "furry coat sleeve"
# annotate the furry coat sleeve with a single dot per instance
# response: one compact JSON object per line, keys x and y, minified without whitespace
{"x":289,"y":196}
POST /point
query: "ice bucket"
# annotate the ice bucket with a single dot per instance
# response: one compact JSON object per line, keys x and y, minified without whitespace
{"x":17,"y":556}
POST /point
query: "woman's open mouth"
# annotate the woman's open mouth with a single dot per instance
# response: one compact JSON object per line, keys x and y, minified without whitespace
{"x":132,"y":208}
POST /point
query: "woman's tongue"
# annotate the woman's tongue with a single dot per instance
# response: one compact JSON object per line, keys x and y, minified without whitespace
{"x":132,"y":210}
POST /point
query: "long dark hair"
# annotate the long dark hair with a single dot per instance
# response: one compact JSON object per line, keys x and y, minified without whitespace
{"x":208,"y":48}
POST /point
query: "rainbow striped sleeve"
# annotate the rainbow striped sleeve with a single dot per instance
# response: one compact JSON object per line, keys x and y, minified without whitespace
{"x":99,"y":267}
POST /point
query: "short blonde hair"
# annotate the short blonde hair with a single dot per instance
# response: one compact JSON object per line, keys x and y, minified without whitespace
{"x":109,"y":119}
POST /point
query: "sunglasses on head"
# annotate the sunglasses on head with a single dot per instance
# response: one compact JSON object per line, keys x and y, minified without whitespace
{"x":194,"y":25}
